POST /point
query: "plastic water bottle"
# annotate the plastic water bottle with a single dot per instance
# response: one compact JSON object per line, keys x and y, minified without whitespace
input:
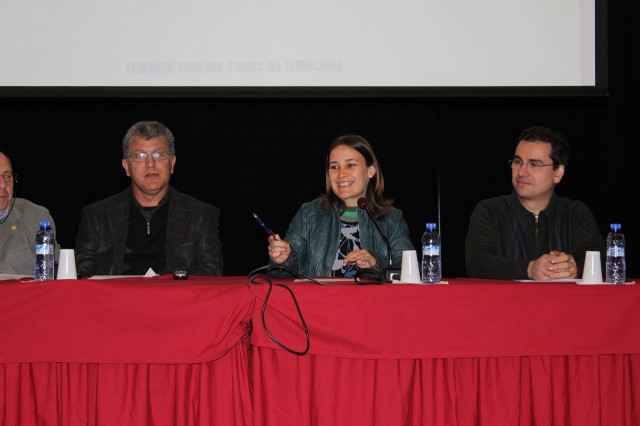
{"x":45,"y":250}
{"x":431,"y":264}
{"x":616,"y":262}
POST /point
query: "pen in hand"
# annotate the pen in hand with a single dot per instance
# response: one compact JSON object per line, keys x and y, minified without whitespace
{"x":264,"y":225}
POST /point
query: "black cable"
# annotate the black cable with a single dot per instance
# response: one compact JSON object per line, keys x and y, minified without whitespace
{"x":252,"y":277}
{"x":369,"y":276}
{"x":363,"y":276}
{"x":269,"y":268}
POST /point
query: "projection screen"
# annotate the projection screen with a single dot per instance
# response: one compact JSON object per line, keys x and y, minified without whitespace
{"x":400,"y":47}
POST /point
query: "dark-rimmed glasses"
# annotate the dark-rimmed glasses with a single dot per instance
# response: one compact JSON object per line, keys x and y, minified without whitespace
{"x":532,"y":165}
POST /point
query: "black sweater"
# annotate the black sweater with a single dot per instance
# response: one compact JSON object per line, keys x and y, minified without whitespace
{"x":503,"y":236}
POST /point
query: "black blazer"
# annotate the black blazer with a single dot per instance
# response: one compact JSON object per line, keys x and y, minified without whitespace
{"x":193,"y":241}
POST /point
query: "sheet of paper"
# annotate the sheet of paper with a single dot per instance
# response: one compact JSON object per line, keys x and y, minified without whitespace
{"x":4,"y":277}
{"x":570,"y":280}
{"x":110,"y":277}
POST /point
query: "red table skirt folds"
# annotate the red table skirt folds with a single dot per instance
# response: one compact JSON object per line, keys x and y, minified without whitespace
{"x":208,"y":393}
{"x":579,"y":390}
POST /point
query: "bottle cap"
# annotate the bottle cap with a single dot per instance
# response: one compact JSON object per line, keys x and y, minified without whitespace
{"x":431,"y":226}
{"x":616,"y":226}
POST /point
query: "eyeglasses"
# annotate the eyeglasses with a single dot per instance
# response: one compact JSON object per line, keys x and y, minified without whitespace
{"x":140,"y":157}
{"x":9,"y":177}
{"x":530,"y":165}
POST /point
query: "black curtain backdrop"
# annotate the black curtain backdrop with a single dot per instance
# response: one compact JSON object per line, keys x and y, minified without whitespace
{"x":439,"y":156}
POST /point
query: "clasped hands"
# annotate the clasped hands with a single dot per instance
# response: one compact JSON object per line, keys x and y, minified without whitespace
{"x":553,"y":266}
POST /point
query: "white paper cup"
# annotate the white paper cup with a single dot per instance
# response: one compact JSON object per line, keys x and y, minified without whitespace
{"x":67,"y":265}
{"x":410,"y":273}
{"x":592,"y":272}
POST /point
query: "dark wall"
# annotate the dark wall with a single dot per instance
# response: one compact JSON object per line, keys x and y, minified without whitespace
{"x":439,"y":156}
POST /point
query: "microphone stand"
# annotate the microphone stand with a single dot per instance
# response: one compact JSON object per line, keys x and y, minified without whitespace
{"x":390,"y":273}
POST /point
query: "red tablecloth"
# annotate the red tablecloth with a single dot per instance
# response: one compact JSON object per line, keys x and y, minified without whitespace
{"x":485,"y":319}
{"x":125,"y":352}
{"x":128,"y":320}
{"x":471,"y":352}
{"x":158,"y":351}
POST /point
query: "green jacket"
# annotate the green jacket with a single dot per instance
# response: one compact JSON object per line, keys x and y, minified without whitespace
{"x":314,"y":236}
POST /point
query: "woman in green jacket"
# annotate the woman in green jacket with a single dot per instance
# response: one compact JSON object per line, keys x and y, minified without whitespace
{"x":333,"y":235}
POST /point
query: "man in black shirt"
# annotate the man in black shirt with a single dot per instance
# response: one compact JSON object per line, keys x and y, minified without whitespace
{"x":532,"y":233}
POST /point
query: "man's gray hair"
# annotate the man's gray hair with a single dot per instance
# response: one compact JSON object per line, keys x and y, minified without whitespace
{"x":148,"y":130}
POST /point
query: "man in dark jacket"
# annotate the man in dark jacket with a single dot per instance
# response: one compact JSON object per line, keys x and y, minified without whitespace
{"x":532,"y":233}
{"x":150,"y":224}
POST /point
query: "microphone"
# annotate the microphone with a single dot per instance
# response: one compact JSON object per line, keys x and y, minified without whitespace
{"x":390,"y":272}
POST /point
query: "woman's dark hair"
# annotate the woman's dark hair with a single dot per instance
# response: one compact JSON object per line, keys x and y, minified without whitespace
{"x":378,"y":205}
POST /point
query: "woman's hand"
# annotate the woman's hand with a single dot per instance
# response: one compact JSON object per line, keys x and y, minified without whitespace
{"x":362,"y":258}
{"x":279,"y":250}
